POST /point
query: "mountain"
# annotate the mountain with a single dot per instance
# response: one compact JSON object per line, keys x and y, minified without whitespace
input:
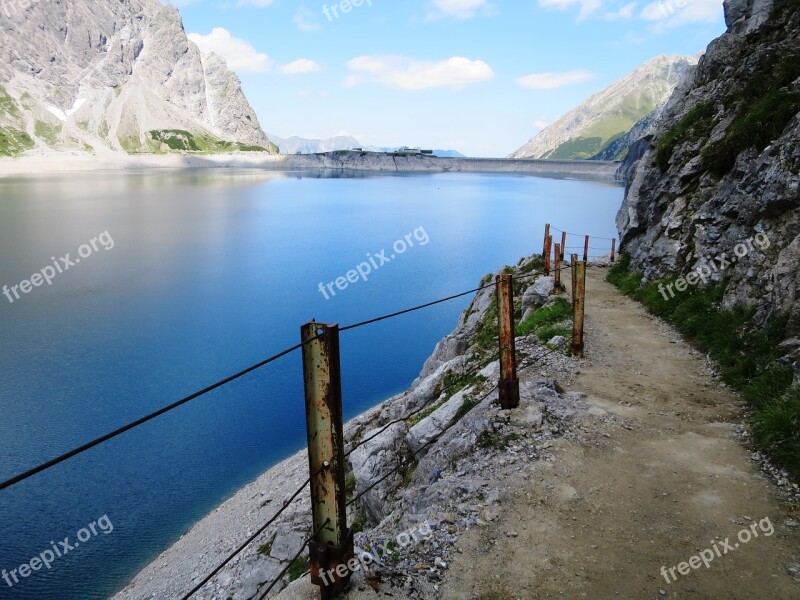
{"x":448,"y":154}
{"x":294,"y":144}
{"x":591,"y":129}
{"x":99,"y":75}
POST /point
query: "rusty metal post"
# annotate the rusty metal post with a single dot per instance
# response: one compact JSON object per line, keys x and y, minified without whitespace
{"x":557,"y":278}
{"x":563,"y":244}
{"x":586,"y":249}
{"x":546,"y":235}
{"x":613,"y":249}
{"x":509,"y":382}
{"x":548,"y":244}
{"x":578,"y":304}
{"x":333,"y":545}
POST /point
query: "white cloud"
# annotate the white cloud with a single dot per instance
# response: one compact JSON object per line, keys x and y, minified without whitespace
{"x":240,"y":54}
{"x":300,"y":67}
{"x":456,"y":9}
{"x":409,"y":74}
{"x":305,"y":20}
{"x":540,"y":124}
{"x":624,"y":13}
{"x":674,"y":13}
{"x":551,"y":81}
{"x":587,"y":7}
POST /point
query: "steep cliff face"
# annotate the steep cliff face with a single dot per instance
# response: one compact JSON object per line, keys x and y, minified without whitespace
{"x":595,"y":128}
{"x":723,"y":168}
{"x":115,"y":74}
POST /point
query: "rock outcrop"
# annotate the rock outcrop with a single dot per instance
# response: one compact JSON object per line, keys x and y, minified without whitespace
{"x":723,"y":168}
{"x":115,"y":75}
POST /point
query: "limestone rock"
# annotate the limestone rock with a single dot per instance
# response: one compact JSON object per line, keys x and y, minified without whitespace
{"x":101,"y":75}
{"x":686,"y":217}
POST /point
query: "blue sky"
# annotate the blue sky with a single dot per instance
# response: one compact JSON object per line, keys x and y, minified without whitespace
{"x":479,"y":76}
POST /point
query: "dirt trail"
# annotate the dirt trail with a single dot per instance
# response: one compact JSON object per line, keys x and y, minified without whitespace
{"x":660,"y":482}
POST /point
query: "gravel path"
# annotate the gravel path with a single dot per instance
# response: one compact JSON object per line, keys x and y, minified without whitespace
{"x":660,"y":481}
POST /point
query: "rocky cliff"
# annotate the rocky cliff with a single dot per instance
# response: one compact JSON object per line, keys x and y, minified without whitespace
{"x":115,"y":74}
{"x":598,"y":128}
{"x":723,"y":168}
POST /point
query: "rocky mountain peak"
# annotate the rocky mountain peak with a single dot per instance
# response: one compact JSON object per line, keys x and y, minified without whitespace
{"x":95,"y":75}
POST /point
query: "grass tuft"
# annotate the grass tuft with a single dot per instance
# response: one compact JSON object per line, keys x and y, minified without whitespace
{"x":545,"y":320}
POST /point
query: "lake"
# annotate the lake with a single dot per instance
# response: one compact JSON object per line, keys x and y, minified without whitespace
{"x":177,"y":279}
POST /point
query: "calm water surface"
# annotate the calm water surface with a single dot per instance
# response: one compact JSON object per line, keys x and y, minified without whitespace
{"x":211,"y":271}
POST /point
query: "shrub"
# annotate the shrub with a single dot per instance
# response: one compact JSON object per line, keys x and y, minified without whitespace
{"x":697,"y":122}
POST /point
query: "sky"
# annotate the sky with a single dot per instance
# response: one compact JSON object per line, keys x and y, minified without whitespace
{"x":478,"y":76}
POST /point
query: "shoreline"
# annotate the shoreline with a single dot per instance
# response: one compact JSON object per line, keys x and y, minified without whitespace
{"x":222,"y":529}
{"x":49,"y":163}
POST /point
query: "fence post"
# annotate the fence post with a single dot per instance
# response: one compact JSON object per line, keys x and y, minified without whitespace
{"x":557,"y":279}
{"x":509,"y":382}
{"x":613,"y":249}
{"x":546,"y":235}
{"x":563,"y":244}
{"x":586,"y":249}
{"x":548,"y":244}
{"x":333,"y":545}
{"x":578,"y":304}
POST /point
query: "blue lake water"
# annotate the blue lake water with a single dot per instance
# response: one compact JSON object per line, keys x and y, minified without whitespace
{"x":210,"y":272}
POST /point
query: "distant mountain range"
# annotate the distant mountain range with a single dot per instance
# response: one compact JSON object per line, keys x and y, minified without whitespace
{"x":102,"y":75}
{"x":598,"y":128}
{"x":295,"y":145}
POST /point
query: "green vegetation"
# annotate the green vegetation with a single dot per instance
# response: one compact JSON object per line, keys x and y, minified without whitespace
{"x":176,"y":139}
{"x":13,"y":138}
{"x":492,"y":440}
{"x":536,"y":264}
{"x":488,"y":328}
{"x":14,"y":142}
{"x":765,"y":106}
{"x":8,"y":106}
{"x":265,"y":548}
{"x":359,"y":523}
{"x":776,"y":428}
{"x":466,"y":406}
{"x":747,"y":356}
{"x":49,"y":133}
{"x":180,"y":140}
{"x":298,"y":567}
{"x":696,"y":123}
{"x":425,"y":413}
{"x":350,"y":483}
{"x":581,"y":147}
{"x":450,"y":385}
{"x":544,"y":323}
{"x":627,"y":112}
